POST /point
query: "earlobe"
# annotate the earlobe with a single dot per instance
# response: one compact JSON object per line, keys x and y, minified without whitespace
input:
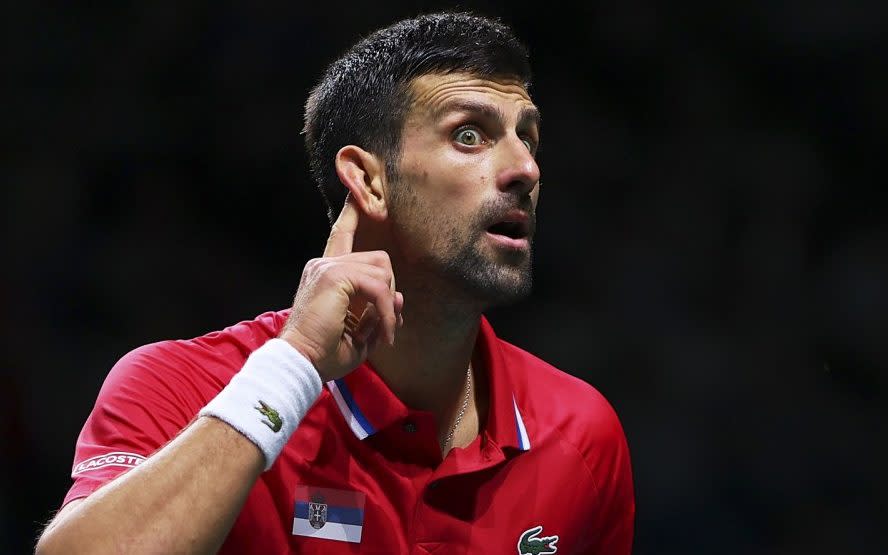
{"x":363,"y":174}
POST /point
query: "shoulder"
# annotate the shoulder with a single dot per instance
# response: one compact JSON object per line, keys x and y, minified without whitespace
{"x":559,"y":403}
{"x":577,"y":429}
{"x":153,"y":392}
{"x":200,"y":366}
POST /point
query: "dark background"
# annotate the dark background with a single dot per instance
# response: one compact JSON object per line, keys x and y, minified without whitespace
{"x":711,"y":251}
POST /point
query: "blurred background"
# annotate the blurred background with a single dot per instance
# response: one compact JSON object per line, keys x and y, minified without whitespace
{"x":712,"y":250}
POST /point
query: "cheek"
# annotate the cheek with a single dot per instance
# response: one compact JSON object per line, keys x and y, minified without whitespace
{"x":447,"y":188}
{"x":446,"y":193}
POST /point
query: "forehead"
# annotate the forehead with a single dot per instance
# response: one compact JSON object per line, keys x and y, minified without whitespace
{"x":434,"y":92}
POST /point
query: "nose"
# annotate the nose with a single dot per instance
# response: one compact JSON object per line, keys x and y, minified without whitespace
{"x":518,"y":172}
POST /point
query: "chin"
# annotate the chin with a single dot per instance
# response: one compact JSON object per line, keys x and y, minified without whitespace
{"x":487,"y":277}
{"x":506,"y":296}
{"x":499,"y":284}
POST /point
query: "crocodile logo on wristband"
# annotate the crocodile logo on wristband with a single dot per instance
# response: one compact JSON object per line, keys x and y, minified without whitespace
{"x":274,"y":421}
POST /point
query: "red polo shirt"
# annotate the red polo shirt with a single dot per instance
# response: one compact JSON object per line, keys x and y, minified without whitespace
{"x":363,"y":473}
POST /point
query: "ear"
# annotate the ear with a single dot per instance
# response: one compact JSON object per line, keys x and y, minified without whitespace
{"x":363,"y":174}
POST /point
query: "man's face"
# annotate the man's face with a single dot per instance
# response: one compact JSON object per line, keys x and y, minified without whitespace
{"x":464,"y":204}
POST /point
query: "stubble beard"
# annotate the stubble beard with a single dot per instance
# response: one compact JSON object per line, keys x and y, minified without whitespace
{"x":458,"y":261}
{"x":491,"y":282}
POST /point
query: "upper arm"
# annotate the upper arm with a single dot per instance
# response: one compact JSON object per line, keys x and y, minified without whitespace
{"x":602,"y":444}
{"x":619,"y":491}
{"x":149,"y":396}
{"x":609,"y":461}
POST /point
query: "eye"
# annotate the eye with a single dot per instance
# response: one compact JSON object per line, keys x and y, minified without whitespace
{"x":528,"y":143}
{"x":469,"y":136}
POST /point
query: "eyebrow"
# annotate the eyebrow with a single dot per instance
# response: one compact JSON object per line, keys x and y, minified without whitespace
{"x":528,"y":115}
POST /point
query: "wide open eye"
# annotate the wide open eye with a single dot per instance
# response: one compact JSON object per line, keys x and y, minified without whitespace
{"x":469,"y":136}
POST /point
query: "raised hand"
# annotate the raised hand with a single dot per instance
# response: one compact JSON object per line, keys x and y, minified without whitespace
{"x":342,"y":280}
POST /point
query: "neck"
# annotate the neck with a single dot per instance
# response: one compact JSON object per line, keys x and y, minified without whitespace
{"x":426,"y":368}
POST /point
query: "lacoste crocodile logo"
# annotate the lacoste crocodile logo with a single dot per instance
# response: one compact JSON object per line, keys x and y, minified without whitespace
{"x":274,"y":419}
{"x":530,"y":544}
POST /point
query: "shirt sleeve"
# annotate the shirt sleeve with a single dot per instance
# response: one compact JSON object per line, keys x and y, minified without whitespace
{"x":149,"y":396}
{"x":618,"y":494}
{"x":608,"y":460}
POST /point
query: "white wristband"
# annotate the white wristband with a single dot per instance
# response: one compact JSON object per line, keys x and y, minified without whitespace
{"x":268,"y":398}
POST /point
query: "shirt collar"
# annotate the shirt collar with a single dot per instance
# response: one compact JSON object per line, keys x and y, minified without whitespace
{"x":368,"y":405}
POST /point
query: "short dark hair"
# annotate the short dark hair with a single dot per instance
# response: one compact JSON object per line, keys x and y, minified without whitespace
{"x":364,"y":96}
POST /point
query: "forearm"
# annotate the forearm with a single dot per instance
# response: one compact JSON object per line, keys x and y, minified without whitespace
{"x":183,"y":499}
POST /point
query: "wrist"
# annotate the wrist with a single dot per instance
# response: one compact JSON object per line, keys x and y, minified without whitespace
{"x":268,"y":398}
{"x":305,"y":346}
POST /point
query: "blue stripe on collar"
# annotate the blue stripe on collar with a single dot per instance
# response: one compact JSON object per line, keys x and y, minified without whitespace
{"x":350,"y":410}
{"x":520,"y":429}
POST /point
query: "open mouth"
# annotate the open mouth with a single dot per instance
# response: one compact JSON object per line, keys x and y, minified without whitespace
{"x":512,"y":231}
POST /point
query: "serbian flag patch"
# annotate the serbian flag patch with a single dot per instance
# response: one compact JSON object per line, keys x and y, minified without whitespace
{"x":331,"y":514}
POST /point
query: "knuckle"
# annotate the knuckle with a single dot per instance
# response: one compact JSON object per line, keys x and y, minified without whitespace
{"x":309,"y":271}
{"x":376,"y":286}
{"x":327,"y":272}
{"x":383,"y":274}
{"x":315,"y":266}
{"x":383,"y":292}
{"x":382,"y":257}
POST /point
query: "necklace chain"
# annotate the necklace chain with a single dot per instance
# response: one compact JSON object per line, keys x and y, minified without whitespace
{"x":462,"y":410}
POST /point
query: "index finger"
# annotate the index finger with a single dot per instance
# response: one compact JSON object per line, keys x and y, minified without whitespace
{"x":342,"y":234}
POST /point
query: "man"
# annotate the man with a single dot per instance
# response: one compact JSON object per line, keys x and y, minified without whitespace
{"x":431,"y":434}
